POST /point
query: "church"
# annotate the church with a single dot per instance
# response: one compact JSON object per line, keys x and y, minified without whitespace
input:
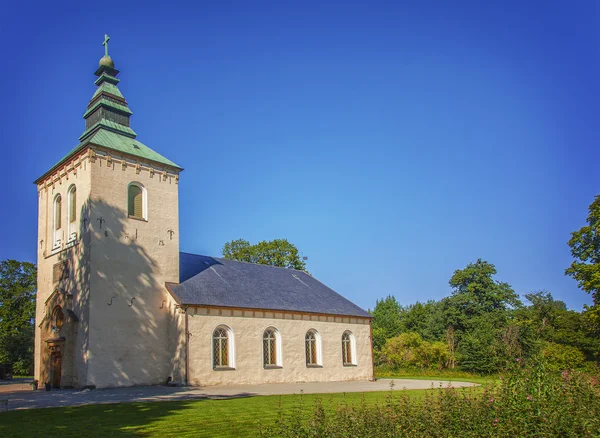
{"x":118,"y":304}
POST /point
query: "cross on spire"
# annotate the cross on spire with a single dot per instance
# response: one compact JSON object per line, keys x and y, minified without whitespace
{"x":105,"y":44}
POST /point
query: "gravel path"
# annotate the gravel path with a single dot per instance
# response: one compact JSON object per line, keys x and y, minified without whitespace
{"x":20,"y":395}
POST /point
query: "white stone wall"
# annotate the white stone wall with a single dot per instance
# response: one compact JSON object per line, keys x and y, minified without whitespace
{"x":248,"y":327}
{"x":131,"y":260}
{"x":74,"y":172}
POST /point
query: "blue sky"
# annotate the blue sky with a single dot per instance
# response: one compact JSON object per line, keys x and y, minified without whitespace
{"x":393,"y":143}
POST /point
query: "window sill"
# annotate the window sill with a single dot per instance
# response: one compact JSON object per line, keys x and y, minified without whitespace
{"x":60,"y":249}
{"x":135,"y":218}
{"x":313,"y":365}
{"x":273,"y":367}
{"x":350,"y":365}
{"x":223,"y":369}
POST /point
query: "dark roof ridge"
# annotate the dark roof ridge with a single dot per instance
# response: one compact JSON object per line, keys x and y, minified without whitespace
{"x":250,"y":263}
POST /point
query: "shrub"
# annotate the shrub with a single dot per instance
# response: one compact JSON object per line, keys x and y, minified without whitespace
{"x":409,"y":350}
{"x":529,"y":401}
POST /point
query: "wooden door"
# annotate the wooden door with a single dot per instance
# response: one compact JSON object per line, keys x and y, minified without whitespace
{"x":56,"y":369}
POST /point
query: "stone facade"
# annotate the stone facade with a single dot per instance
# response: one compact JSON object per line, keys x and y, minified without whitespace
{"x":117,"y":268}
{"x":247,"y":328}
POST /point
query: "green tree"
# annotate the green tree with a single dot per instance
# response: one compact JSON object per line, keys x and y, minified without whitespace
{"x":479,"y":312}
{"x":278,"y":252}
{"x":386,"y":321}
{"x":18,"y":283}
{"x":585,"y":249}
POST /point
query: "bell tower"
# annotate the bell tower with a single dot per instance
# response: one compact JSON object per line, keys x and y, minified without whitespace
{"x":108,"y":230}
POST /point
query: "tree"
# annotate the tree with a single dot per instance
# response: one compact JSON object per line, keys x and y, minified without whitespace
{"x":278,"y":252}
{"x":585,"y":249}
{"x":18,"y":282}
{"x":386,"y":321}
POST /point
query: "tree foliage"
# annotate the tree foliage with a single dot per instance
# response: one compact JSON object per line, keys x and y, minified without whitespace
{"x":481,"y":327}
{"x":278,"y":252}
{"x":585,"y":249}
{"x":18,"y":282}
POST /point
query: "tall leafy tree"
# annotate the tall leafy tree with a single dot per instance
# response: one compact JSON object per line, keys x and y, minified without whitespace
{"x":386,"y":321}
{"x":18,"y":283}
{"x":278,"y":252}
{"x":585,"y":249}
{"x":478,"y":311}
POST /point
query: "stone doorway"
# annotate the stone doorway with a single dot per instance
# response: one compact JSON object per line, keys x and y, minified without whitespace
{"x":56,"y":369}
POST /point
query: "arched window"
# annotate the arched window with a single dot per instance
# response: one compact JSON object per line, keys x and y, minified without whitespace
{"x":348,"y":349}
{"x":57,"y":221}
{"x":223,"y":348}
{"x":271,"y":348}
{"x":313,"y":348}
{"x":136,"y":201}
{"x":58,"y":318}
{"x":72,"y":213}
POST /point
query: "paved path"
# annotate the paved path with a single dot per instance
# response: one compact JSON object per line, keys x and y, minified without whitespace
{"x":20,"y":399}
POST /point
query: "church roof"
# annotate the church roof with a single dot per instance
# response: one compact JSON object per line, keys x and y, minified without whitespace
{"x":211,"y":281}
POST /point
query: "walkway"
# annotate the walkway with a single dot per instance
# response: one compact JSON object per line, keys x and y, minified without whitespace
{"x":20,"y":398}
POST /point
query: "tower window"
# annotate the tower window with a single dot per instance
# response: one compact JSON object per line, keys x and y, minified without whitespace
{"x":57,"y":232}
{"x":72,"y":213}
{"x":137,"y":203}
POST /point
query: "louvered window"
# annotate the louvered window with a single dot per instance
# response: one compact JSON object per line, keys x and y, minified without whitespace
{"x":220,"y":348}
{"x":136,"y":202}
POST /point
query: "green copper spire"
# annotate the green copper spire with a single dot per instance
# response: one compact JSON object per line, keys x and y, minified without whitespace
{"x":108,"y":108}
{"x":107,"y":121}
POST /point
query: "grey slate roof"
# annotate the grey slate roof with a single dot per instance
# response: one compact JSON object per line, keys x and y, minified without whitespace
{"x":214,"y":281}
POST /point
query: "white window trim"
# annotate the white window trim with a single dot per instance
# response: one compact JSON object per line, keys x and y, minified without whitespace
{"x":71,"y":226}
{"x":319,"y":349}
{"x":230,"y":348}
{"x":56,"y":234}
{"x":353,"y":356}
{"x":144,"y":199}
{"x":278,"y":353}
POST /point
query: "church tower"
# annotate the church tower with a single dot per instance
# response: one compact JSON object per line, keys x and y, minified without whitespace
{"x":108,"y":242}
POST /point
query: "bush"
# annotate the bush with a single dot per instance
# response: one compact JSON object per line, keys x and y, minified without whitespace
{"x":563,"y":357}
{"x":409,"y":350}
{"x":529,"y":401}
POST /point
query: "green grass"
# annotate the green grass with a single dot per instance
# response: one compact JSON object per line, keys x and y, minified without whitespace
{"x":450,"y":375}
{"x":239,"y":417}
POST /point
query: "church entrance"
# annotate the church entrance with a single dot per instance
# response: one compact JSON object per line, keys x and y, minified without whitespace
{"x":55,"y":368}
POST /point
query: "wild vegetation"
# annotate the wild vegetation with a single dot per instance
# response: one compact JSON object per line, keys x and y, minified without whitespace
{"x":530,"y":400}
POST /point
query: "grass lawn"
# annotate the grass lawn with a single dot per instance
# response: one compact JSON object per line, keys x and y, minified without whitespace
{"x":205,"y":418}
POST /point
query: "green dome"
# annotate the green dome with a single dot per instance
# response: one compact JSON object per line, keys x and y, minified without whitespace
{"x":107,"y":61}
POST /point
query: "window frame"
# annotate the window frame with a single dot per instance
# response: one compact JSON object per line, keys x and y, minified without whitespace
{"x":144,"y":201}
{"x":230,"y":349}
{"x":317,"y":345}
{"x":72,"y":221}
{"x":349,"y":342}
{"x":57,"y":321}
{"x":56,"y":217}
{"x":278,"y":353}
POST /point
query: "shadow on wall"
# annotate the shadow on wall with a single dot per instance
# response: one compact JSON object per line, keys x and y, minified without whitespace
{"x":125,"y":325}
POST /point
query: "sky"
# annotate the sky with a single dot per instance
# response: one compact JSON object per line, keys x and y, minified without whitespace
{"x":392,"y":142}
